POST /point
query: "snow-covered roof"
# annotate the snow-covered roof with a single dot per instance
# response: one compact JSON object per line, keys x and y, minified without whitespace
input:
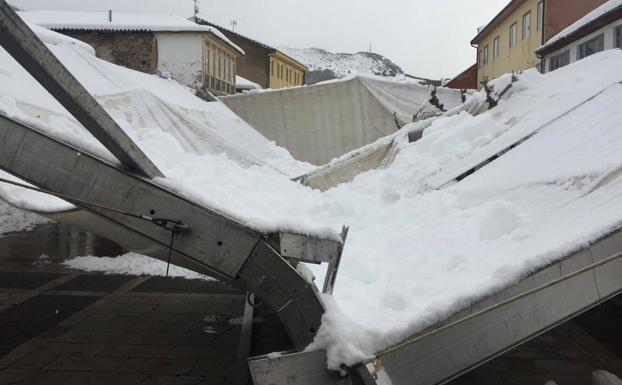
{"x":602,"y":11}
{"x":245,"y":84}
{"x":100,"y":21}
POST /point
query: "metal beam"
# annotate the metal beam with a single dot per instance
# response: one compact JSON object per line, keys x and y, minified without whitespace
{"x":215,"y":243}
{"x":26,"y":48}
{"x":241,"y":373}
{"x":307,"y":368}
{"x":440,"y":357}
{"x":489,"y":328}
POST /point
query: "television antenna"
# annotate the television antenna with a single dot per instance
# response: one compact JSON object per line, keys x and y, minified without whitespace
{"x":234,"y":23}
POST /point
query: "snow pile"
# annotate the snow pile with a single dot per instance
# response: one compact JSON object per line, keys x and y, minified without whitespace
{"x":414,"y":255}
{"x":120,"y":22}
{"x":130,"y":264}
{"x":13,"y":220}
{"x":604,"y":9}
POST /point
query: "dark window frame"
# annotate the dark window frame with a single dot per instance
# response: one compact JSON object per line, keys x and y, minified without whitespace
{"x":513,"y":35}
{"x":560,"y":60}
{"x":496,"y":47}
{"x":540,"y":16}
{"x":584,"y":49}
{"x":526,"y":33}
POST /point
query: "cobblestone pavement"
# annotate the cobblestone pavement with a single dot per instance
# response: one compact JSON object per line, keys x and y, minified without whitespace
{"x":65,"y":327}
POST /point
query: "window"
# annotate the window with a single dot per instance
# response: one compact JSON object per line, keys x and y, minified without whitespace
{"x":513,"y":37}
{"x":526,"y":25}
{"x":540,"y":15}
{"x":485,"y":61}
{"x":617,"y":39}
{"x":590,"y":47}
{"x":559,"y":60}
{"x":496,"y":47}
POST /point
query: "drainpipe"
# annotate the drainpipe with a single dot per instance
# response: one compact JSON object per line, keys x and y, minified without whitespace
{"x":476,"y":64}
{"x":542,"y":57}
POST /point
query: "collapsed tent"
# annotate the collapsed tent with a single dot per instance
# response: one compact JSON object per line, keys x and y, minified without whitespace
{"x":320,"y":122}
{"x":427,"y":244}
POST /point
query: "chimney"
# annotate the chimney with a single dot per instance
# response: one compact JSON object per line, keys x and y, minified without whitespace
{"x":110,"y":16}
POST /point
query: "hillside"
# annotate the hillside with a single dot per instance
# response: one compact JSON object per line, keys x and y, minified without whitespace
{"x":326,"y":65}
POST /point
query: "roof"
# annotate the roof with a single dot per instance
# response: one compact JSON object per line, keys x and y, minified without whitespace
{"x":124,"y":22}
{"x":497,"y":20}
{"x":202,"y":21}
{"x":292,"y":59}
{"x":245,"y":84}
{"x":598,"y":18}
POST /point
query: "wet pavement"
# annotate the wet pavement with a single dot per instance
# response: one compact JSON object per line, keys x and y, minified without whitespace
{"x":61,"y":326}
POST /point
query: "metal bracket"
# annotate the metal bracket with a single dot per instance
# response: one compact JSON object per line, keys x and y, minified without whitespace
{"x":333,"y":266}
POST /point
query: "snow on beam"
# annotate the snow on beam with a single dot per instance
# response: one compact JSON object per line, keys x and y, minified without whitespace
{"x":482,"y":332}
{"x":214,"y":242}
{"x":26,"y":48}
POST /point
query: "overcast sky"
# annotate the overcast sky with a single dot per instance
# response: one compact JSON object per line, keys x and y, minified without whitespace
{"x":428,"y":38}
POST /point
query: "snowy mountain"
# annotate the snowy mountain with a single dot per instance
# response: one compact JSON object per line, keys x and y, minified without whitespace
{"x":326,"y":65}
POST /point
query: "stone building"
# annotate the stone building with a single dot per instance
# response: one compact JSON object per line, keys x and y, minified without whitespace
{"x":196,"y":56}
{"x":509,"y":41}
{"x":262,"y":64}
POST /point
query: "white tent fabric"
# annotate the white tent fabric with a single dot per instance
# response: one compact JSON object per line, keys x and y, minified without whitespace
{"x":321,"y":122}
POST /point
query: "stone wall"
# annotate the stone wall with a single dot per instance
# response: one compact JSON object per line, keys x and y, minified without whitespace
{"x":135,"y":50}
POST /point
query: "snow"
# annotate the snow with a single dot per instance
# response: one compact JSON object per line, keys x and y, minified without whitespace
{"x":130,"y":264}
{"x":597,"y":13}
{"x":345,"y":64}
{"x":414,"y":255}
{"x":120,"y":22}
{"x":245,"y":84}
{"x":14,"y":220}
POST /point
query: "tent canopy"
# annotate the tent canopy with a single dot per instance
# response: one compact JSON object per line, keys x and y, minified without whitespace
{"x":318,"y":123}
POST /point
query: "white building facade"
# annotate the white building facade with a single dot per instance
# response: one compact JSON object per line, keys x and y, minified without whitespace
{"x":600,"y":30}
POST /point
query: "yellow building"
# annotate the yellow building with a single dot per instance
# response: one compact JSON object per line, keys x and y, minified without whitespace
{"x":263,"y":64}
{"x":285,"y":71}
{"x":509,"y":41}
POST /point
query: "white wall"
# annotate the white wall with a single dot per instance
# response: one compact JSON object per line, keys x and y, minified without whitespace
{"x":609,"y":43}
{"x":181,"y":55}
